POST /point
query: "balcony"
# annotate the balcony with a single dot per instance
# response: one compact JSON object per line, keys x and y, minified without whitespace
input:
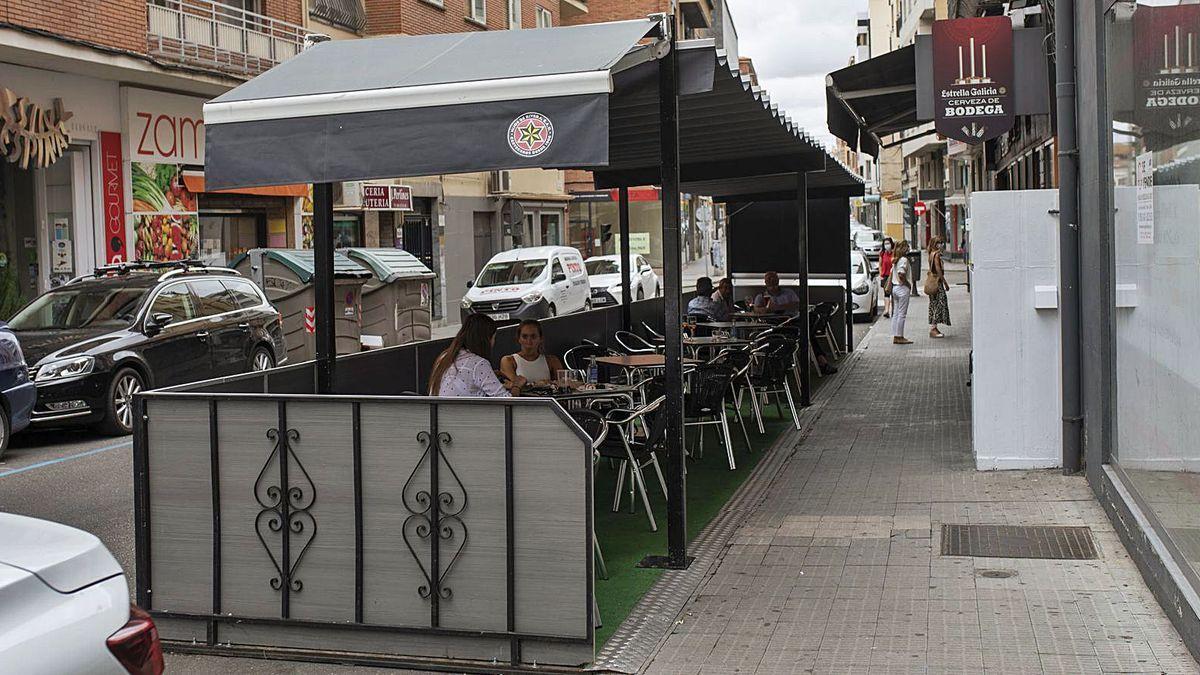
{"x":219,"y":37}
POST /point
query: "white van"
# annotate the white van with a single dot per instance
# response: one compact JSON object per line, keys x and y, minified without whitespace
{"x":530,"y":283}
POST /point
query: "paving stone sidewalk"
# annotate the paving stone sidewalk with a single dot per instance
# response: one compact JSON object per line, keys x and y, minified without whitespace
{"x":839,"y":570}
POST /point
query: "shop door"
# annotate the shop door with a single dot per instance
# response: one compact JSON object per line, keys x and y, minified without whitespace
{"x":551,"y":228}
{"x":20,"y":267}
{"x":418,"y":238}
{"x":484,"y":246}
{"x":66,"y":232}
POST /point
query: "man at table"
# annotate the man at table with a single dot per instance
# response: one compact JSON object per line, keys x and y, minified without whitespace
{"x":723,"y":296}
{"x":776,"y":299}
{"x":704,"y":305}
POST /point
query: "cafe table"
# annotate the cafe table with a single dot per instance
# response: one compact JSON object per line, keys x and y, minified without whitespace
{"x":633,"y":363}
{"x":581,"y":395}
{"x":742,"y":327}
{"x":712,"y":342}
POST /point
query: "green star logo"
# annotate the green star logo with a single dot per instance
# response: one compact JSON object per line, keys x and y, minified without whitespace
{"x":531,"y":134}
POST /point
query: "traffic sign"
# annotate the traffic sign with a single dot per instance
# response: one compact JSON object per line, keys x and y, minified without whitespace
{"x":919,"y":208}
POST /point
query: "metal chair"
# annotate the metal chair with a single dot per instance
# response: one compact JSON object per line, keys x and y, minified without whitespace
{"x":594,"y":426}
{"x":633,"y":343}
{"x":634,"y":453}
{"x":823,"y":326}
{"x":577,"y":358}
{"x":654,"y":335}
{"x":739,"y":359}
{"x":773,"y":358}
{"x":704,"y":404}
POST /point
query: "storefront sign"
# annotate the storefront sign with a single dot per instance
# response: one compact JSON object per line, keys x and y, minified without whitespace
{"x":386,"y":197}
{"x":113,"y":189}
{"x":1167,"y":54}
{"x":639,"y":242}
{"x":973,"y":78}
{"x":163,"y":128}
{"x":32,"y":135}
{"x":166,"y":222}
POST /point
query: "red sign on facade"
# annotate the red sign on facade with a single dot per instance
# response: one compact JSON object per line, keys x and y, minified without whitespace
{"x":920,"y":209}
{"x":384,"y":197}
{"x":113,"y":181}
{"x":402,"y":199}
{"x":973,"y":78}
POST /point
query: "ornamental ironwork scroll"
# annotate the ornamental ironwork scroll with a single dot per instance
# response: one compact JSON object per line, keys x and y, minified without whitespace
{"x":31,"y":134}
{"x":285,"y":499}
{"x":428,"y":516}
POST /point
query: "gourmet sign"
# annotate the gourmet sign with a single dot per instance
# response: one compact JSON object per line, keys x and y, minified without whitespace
{"x":1167,"y":53}
{"x":973,"y":78}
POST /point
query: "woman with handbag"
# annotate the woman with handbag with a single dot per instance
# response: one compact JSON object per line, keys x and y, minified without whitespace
{"x":885,"y":274}
{"x":901,"y":292}
{"x":936,"y":287}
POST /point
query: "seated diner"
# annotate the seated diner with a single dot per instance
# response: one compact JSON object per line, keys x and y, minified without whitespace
{"x":531,"y":364}
{"x":704,"y":304}
{"x":465,"y":368}
{"x":776,"y":299}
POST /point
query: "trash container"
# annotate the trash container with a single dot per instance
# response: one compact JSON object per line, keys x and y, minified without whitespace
{"x":396,"y":300}
{"x":286,"y":276}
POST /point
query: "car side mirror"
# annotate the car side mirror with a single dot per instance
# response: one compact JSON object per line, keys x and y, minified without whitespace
{"x":558,"y":277}
{"x":470,"y":284}
{"x":157,"y":322}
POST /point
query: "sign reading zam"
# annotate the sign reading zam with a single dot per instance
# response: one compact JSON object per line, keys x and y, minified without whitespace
{"x":973,"y":78}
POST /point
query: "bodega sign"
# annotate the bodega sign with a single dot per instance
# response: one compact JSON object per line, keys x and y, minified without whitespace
{"x":1167,"y":50}
{"x":163,"y":128}
{"x":973,"y":78}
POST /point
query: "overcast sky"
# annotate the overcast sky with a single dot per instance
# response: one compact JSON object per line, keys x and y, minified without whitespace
{"x":794,"y":43}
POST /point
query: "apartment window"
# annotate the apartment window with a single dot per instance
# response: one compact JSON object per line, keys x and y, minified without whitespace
{"x":514,"y":14}
{"x":544,"y":18}
{"x":479,"y":10}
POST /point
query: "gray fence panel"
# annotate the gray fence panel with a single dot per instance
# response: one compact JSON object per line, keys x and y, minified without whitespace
{"x":551,"y":467}
{"x":391,"y":453}
{"x":245,"y":449}
{"x":475,"y":453}
{"x":323,"y":449}
{"x":181,"y":495}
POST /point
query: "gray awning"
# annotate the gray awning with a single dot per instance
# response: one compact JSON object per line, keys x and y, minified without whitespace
{"x":464,"y":102}
{"x":873,"y":98}
{"x":421,"y":105}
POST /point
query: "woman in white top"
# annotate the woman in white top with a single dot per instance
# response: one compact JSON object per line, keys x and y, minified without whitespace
{"x":530,"y":364}
{"x":901,"y":292}
{"x":465,"y":368}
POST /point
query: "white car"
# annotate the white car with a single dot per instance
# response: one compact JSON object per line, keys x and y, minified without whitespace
{"x":604,"y":274}
{"x":529,"y":283}
{"x":64,"y":605}
{"x":864,"y":286}
{"x":870,"y":242}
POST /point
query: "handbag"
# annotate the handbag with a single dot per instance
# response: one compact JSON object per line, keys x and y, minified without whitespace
{"x":933,"y":283}
{"x":886,"y":284}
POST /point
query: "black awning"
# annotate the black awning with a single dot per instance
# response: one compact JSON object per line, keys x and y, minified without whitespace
{"x":872,"y":99}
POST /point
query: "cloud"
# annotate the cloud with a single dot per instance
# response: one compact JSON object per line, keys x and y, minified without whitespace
{"x":794,"y":43}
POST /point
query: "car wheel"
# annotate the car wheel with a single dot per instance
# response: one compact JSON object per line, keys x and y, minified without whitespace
{"x":118,"y":418}
{"x":262,"y":360}
{"x":641,"y":294}
{"x":5,"y":430}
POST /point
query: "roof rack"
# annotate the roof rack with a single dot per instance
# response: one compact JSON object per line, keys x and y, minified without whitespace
{"x":205,"y":270}
{"x":174,"y":267}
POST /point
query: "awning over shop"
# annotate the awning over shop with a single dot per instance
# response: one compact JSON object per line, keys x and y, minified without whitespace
{"x":195,"y":184}
{"x":873,"y":98}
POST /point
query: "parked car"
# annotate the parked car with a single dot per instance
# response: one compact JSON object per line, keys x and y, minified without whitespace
{"x":530,"y":283}
{"x":870,"y":242}
{"x":17,"y":393}
{"x":98,"y":340}
{"x":864,"y":286}
{"x":604,"y":275}
{"x":64,"y":605}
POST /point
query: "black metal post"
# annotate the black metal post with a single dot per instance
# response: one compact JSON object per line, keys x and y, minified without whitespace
{"x":848,"y":313}
{"x":668,"y":101}
{"x":623,"y":228}
{"x":802,"y":290}
{"x":1068,"y":237}
{"x":323,"y":282}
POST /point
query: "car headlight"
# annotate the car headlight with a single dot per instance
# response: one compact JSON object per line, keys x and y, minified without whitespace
{"x":466,"y":303}
{"x":531,"y":298}
{"x":860,"y":289}
{"x":61,"y":370}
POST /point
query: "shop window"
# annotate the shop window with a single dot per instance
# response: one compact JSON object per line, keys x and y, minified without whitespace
{"x":347,"y":231}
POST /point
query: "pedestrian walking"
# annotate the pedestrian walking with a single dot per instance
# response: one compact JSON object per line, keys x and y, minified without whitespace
{"x":936,"y":287}
{"x":885,"y":274}
{"x":901,"y":292}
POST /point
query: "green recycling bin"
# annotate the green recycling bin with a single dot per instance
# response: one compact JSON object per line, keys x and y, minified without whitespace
{"x":397,"y":299}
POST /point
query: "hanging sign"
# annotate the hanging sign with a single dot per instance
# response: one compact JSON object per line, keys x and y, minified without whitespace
{"x":1167,"y":57}
{"x":113,"y":179}
{"x":973,"y":78}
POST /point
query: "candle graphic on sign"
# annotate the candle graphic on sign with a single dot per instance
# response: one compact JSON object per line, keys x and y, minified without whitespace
{"x":1179,"y":62}
{"x":973,"y":77}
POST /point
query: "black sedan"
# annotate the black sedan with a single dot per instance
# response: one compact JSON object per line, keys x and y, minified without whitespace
{"x":95,"y":342}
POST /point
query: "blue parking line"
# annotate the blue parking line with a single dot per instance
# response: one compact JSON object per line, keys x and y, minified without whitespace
{"x":93,"y":451}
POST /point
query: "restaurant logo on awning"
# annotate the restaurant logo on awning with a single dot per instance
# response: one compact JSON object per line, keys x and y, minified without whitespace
{"x":973,"y":78}
{"x":530,"y":134}
{"x":1167,"y":41}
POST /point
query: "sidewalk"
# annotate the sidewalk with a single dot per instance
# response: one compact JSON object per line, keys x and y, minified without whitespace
{"x":838,"y":568}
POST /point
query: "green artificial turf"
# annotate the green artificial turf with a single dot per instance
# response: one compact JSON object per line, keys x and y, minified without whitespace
{"x":626,"y":537}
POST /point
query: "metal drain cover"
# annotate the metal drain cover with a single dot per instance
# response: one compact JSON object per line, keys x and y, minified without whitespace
{"x":1014,"y":541}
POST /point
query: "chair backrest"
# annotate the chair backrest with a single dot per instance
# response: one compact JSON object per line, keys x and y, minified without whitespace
{"x":577,"y":358}
{"x":592,"y":424}
{"x":633,"y":343}
{"x":709,"y":386}
{"x":650,"y":331}
{"x":773,"y":359}
{"x":737,"y":358}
